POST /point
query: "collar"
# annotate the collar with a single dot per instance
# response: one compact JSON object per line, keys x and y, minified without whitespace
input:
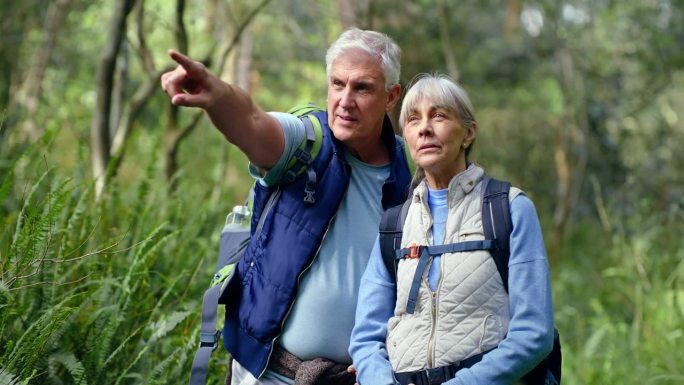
{"x":460,"y":185}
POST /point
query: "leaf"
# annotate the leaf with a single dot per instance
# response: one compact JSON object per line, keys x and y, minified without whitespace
{"x":166,"y":324}
{"x":72,"y":365}
{"x":594,"y":342}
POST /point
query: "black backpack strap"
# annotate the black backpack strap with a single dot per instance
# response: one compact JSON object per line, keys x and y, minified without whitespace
{"x":496,"y":222}
{"x":391,"y":231}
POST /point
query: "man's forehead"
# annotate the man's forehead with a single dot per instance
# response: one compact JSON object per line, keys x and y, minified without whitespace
{"x":357,"y":64}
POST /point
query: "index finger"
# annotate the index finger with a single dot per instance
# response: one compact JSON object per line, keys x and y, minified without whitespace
{"x":193,"y":68}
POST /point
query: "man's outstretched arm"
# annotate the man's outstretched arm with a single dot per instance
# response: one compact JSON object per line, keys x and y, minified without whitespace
{"x":243,"y":123}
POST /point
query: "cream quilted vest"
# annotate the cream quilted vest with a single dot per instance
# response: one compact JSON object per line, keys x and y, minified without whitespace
{"x":468,"y":313}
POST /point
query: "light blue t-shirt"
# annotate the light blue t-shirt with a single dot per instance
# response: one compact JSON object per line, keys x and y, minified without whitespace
{"x":437,"y":199}
{"x":322,"y":318}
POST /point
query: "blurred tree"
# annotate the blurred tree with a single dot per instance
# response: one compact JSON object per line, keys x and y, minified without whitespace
{"x":21,"y":78}
{"x":175,"y":133}
{"x":100,"y":131}
{"x":29,"y":93}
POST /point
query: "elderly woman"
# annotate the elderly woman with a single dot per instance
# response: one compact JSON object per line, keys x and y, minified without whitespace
{"x":463,"y":327}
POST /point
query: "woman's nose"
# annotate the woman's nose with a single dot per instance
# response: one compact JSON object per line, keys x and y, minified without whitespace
{"x":425,"y":127}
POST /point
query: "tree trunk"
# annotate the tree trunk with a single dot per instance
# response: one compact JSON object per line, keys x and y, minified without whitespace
{"x":571,"y":147}
{"x":512,"y":19}
{"x":174,"y":134}
{"x":563,"y":172}
{"x":137,"y":102}
{"x":99,"y":131}
{"x":346,"y":13}
{"x":243,"y":61}
{"x":173,"y":129}
{"x":119,"y":90}
{"x":449,"y":56}
{"x":29,"y":95}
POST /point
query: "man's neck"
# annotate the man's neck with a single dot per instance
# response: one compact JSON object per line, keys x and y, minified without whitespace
{"x":371,"y":152}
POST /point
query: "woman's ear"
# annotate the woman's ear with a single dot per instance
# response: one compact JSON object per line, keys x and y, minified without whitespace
{"x":470,"y":135}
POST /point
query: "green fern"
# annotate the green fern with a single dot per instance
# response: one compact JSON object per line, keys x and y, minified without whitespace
{"x":21,"y":242}
{"x":34,"y":232}
{"x":7,"y":378}
{"x":28,"y":350}
{"x":169,"y":288}
{"x":121,"y":346}
{"x":167,"y":324}
{"x":142,"y":250}
{"x":7,"y":184}
{"x":104,"y":338}
{"x":125,"y":374}
{"x":74,"y":222}
{"x":155,"y":375}
{"x":73,"y":366}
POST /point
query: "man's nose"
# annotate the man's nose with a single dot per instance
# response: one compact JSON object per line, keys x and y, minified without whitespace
{"x":347,"y":98}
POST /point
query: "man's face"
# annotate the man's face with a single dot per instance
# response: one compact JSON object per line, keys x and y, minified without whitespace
{"x":357,"y":99}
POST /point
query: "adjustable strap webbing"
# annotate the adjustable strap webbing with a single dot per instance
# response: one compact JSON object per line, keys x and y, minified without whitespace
{"x":232,"y":247}
{"x":209,"y":336}
{"x":425,"y":254}
{"x":439,"y":375}
{"x":302,"y":159}
{"x":458,"y":247}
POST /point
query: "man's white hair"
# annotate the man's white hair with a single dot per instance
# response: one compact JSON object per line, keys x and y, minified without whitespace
{"x":374,"y":43}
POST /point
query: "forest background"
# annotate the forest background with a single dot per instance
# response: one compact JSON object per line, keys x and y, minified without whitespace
{"x":112,"y":201}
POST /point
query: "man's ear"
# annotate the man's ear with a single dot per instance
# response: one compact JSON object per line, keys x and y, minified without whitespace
{"x":393,"y":97}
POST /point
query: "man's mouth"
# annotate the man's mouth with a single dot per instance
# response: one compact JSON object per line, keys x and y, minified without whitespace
{"x":346,"y":118}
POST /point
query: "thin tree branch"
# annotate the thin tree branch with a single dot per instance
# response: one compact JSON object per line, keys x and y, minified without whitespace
{"x":238,"y":35}
{"x":50,"y":283}
{"x":143,"y":50}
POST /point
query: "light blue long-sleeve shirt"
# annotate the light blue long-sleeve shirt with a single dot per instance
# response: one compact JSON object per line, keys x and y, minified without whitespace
{"x":530,"y":330}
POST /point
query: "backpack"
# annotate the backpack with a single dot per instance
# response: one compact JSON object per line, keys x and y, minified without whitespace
{"x":236,"y":235}
{"x":496,"y":223}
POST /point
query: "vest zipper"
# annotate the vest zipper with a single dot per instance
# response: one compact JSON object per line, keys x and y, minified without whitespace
{"x":299,"y":278}
{"x":434,"y":299}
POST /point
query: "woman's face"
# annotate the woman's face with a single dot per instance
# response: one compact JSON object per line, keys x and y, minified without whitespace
{"x":437,"y":141}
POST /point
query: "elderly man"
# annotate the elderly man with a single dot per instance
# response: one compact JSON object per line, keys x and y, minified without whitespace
{"x":290,"y":304}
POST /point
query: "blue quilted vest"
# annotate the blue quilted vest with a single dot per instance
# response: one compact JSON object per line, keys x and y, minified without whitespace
{"x":264,"y":287}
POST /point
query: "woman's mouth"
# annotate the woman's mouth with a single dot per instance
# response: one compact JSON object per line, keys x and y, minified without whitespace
{"x":428,"y":147}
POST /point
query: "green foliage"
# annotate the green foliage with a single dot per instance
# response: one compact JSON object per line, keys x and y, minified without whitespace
{"x":109,"y":291}
{"x":89,"y":291}
{"x":619,"y":299}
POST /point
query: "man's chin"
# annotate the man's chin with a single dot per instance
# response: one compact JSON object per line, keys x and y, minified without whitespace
{"x":342,"y":131}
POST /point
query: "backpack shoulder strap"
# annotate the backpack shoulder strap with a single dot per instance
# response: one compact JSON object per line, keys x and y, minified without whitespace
{"x":233,"y":244}
{"x":496,"y":222}
{"x":391,"y":231}
{"x":307,"y":150}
